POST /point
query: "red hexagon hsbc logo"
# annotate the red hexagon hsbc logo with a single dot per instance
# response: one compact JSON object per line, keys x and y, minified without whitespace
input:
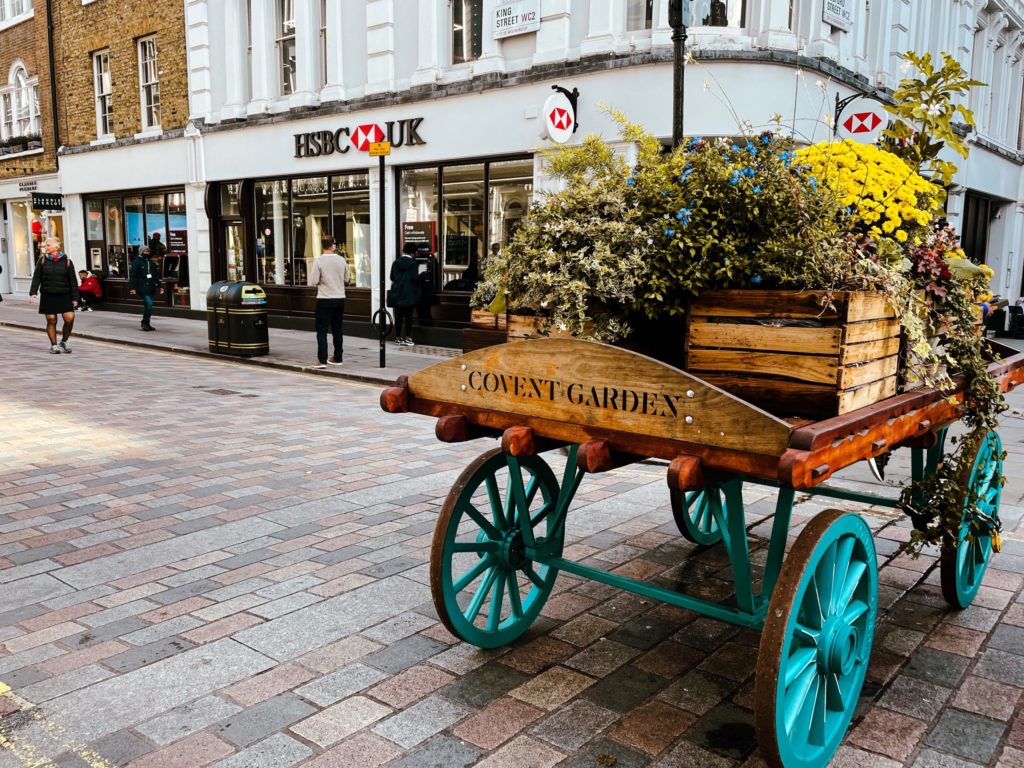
{"x":862,"y":122}
{"x":560,"y":119}
{"x":365,"y":135}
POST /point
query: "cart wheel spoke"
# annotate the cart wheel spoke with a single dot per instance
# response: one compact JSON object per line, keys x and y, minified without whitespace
{"x":963,"y":561}
{"x":694,"y":518}
{"x":476,"y":558}
{"x":817,"y":638}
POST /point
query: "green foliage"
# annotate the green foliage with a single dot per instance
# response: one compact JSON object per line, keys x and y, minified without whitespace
{"x":924,"y":115}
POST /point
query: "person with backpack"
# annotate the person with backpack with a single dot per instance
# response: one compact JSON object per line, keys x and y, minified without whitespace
{"x":405,"y":292}
{"x":145,"y":280}
{"x":55,"y":282}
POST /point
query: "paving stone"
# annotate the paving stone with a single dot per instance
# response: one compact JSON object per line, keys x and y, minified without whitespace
{"x":404,"y":653}
{"x":987,"y":697}
{"x":483,"y":685}
{"x":58,"y":686}
{"x":121,"y":748}
{"x":605,"y":751}
{"x":147,"y":654}
{"x":397,"y":628}
{"x":185,"y":720}
{"x":916,"y":698}
{"x":929,"y":758}
{"x":624,"y":689}
{"x":411,"y":685}
{"x":523,"y":751}
{"x":889,"y":733}
{"x":572,"y":726}
{"x":260,"y":720}
{"x":341,"y":720}
{"x":441,"y":752}
{"x":968,"y":735}
{"x":643,"y":632}
{"x":537,"y":655}
{"x":279,"y":751}
{"x":552,"y":687}
{"x":602,"y":658}
{"x":364,"y":750}
{"x":726,"y":730}
{"x":498,"y":722}
{"x":1008,"y":638}
{"x":851,"y":757}
{"x":688,"y":755}
{"x":1002,"y":667}
{"x":584,"y":630}
{"x":341,"y":684}
{"x":937,"y":667}
{"x":420,"y":721}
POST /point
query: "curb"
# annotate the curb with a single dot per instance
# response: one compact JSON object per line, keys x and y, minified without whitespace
{"x":357,"y":377}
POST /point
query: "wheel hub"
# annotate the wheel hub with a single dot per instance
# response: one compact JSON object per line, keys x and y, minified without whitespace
{"x":837,"y":653}
{"x":513,"y":551}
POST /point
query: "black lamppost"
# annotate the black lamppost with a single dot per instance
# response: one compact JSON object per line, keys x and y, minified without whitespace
{"x":679,"y":20}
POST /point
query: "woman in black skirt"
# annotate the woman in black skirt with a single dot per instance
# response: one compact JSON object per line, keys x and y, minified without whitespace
{"x":55,"y":279}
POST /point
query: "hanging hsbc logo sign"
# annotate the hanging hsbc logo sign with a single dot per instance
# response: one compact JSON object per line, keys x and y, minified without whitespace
{"x":319,"y":143}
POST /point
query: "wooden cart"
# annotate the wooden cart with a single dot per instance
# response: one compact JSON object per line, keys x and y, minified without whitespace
{"x":498,"y":542}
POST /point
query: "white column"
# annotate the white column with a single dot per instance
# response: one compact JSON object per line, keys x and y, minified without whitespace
{"x":899,"y":35}
{"x":307,"y":53}
{"x":990,"y":73}
{"x":236,"y":60}
{"x":432,"y":25}
{"x":380,"y":46}
{"x":334,"y":90}
{"x":769,"y":24}
{"x":662,"y":32}
{"x":1013,"y":114}
{"x":877,"y":55}
{"x":819,"y":42}
{"x":553,"y":35}
{"x":491,"y":58}
{"x":263,"y":69}
{"x":201,"y":66}
{"x":600,"y":32}
{"x":200,"y":261}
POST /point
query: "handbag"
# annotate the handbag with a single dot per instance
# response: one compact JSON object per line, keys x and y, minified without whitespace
{"x":389,"y":297}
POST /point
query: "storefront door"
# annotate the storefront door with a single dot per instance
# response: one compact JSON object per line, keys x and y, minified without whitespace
{"x":234,"y":249}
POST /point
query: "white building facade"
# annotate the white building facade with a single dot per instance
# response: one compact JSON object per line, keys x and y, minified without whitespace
{"x":287,"y":95}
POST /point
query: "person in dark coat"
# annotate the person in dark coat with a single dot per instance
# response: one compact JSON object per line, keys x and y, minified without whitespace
{"x":55,"y":282}
{"x":405,"y":292}
{"x":144,"y":279}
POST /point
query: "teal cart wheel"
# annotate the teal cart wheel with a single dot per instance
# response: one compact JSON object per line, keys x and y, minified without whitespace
{"x":694,"y":520}
{"x":816,"y":643}
{"x":485,"y":588}
{"x":963,"y":562}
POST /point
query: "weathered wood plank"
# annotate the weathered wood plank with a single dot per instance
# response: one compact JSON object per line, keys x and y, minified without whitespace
{"x":525,"y":327}
{"x":585,"y":383}
{"x":777,"y":396}
{"x":870,"y":350}
{"x":812,"y":341}
{"x":857,"y":375}
{"x":819,"y":370}
{"x":871,"y":330}
{"x":756,"y":303}
{"x":862,"y":305}
{"x":852,"y":399}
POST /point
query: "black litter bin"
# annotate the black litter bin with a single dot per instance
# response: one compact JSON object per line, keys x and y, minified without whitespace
{"x":236,"y":315}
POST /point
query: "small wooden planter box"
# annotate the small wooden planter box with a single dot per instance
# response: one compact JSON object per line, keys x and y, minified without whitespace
{"x":486,"y":320}
{"x":525,"y":327}
{"x":788,"y":353}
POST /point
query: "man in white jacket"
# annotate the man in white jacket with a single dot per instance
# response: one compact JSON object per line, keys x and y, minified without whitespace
{"x":329,"y":274}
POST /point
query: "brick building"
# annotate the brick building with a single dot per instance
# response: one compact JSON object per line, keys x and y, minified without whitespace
{"x":27,"y":139}
{"x":124,"y":167}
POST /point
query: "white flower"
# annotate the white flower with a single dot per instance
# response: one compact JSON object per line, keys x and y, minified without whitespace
{"x":934,"y":109}
{"x":543,"y":305}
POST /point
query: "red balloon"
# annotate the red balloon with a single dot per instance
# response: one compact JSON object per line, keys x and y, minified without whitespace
{"x":37,"y":227}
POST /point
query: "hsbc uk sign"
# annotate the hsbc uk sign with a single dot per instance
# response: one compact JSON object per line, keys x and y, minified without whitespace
{"x":319,"y":143}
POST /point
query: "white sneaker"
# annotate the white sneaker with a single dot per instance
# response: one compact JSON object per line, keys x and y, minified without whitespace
{"x":54,"y":350}
{"x":66,"y":347}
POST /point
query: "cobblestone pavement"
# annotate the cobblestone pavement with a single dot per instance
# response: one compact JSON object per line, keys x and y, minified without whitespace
{"x":205,"y":564}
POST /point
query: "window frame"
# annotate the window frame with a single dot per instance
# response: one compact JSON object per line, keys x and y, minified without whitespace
{"x":9,"y":16}
{"x":19,"y":104}
{"x":475,"y":8}
{"x":103,"y":101}
{"x":281,"y":38}
{"x":648,"y":16}
{"x":149,"y":89}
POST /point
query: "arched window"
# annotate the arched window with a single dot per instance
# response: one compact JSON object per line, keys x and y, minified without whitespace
{"x":19,"y":102}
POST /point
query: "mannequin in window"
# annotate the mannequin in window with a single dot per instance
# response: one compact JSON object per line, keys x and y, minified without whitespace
{"x":718,"y":16}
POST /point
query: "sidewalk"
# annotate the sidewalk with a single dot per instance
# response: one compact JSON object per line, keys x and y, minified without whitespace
{"x":289,"y":349}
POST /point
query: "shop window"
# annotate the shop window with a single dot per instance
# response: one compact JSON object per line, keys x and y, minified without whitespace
{"x":462,"y":231}
{"x":311,"y":211}
{"x":229,"y":205}
{"x":467,"y":30}
{"x":94,"y":235}
{"x":272,"y":265}
{"x":149,"y":83}
{"x":24,"y":250}
{"x":718,"y":13}
{"x":103,"y":94}
{"x":350,"y":197}
{"x":117,"y":257}
{"x":286,"y":45}
{"x":134,"y":225}
{"x":234,"y":246}
{"x":175,"y":266}
{"x":508,"y":199}
{"x":639,"y":15}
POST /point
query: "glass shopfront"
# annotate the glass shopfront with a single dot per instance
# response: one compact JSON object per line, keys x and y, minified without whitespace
{"x":28,"y":229}
{"x":458,"y":214}
{"x":118,"y":226}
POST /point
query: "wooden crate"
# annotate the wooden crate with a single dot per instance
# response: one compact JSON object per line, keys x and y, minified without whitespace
{"x":484,"y":319}
{"x":478,"y":338}
{"x":525,"y":327}
{"x":796,"y":353}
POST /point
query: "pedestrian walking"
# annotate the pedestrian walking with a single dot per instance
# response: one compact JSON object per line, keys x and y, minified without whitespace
{"x":144,"y":279}
{"x":89,"y":290}
{"x":55,"y":283}
{"x":405,"y":293}
{"x":329,"y":274}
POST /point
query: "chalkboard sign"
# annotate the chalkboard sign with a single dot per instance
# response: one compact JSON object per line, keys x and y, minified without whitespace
{"x":456,"y":250}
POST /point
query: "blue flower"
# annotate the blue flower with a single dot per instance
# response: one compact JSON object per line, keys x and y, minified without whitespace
{"x":766,"y":139}
{"x":786,"y":157}
{"x":631,"y":181}
{"x":756,"y":280}
{"x":669,"y":232}
{"x":734,"y":180}
{"x":686,"y":174}
{"x":749,"y":172}
{"x":735,"y":147}
{"x":684,"y":216}
{"x":814,"y":183}
{"x":694,"y":141}
{"x":751,"y":148}
{"x":756,"y":190}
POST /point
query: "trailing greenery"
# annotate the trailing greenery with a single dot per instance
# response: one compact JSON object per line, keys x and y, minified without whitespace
{"x":621,"y":241}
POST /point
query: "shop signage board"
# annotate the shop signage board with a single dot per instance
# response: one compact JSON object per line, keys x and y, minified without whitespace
{"x":862,"y":120}
{"x":421,"y":233}
{"x":397,"y":133}
{"x":559,"y":114}
{"x":516,"y":17}
{"x":838,"y":13}
{"x":47,"y":201}
{"x":28,"y":186}
{"x":380,"y":149}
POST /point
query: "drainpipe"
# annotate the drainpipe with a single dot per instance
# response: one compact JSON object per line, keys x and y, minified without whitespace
{"x":53,"y":81}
